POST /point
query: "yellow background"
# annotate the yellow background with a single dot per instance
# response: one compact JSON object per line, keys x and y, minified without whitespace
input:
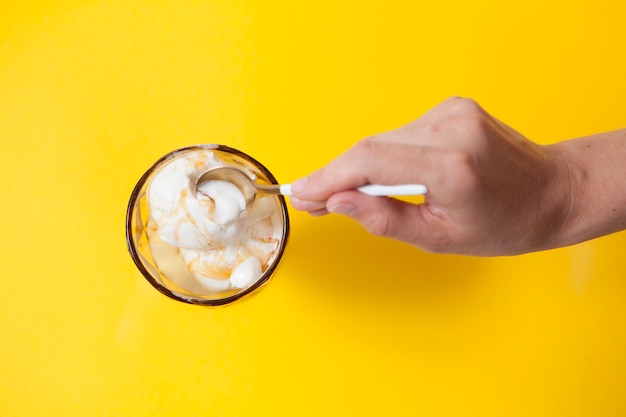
{"x":93,"y":92}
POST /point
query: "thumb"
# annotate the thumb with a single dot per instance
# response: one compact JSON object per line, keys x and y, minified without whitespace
{"x":381,"y":216}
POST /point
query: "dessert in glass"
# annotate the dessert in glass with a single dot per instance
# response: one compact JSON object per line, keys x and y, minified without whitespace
{"x":205,"y":247}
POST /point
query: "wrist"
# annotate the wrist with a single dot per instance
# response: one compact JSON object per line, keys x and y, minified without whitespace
{"x":591,"y":174}
{"x":567,"y":181}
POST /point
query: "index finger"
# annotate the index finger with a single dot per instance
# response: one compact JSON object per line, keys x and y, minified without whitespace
{"x":369,"y":162}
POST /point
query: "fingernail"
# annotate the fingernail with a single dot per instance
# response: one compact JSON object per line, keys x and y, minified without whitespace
{"x":299,"y":185}
{"x":347,"y":209}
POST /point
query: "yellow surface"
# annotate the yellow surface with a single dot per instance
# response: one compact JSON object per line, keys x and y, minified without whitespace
{"x":93,"y":92}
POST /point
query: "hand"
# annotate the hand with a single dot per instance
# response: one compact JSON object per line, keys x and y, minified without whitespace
{"x":490,"y":190}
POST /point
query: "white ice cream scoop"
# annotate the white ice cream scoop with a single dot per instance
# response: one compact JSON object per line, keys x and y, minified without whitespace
{"x":250,"y":187}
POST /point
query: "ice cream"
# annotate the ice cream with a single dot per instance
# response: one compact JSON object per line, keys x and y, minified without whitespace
{"x":207,"y":242}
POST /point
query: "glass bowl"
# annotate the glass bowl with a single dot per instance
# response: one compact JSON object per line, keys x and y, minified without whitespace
{"x":148,"y":257}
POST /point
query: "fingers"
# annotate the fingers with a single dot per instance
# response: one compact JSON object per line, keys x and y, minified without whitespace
{"x":400,"y":156}
{"x":380,"y":216}
{"x":316,"y":208}
{"x":368,"y":162}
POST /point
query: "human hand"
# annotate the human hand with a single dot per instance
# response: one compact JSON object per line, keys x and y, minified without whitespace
{"x":490,"y":190}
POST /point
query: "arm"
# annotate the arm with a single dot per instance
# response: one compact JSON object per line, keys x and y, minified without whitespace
{"x":596,"y":167}
{"x":491,"y":191}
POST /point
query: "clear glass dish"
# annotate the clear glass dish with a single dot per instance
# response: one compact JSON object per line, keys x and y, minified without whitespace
{"x":146,"y":255}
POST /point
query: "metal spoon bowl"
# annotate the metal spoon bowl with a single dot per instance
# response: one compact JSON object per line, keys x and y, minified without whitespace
{"x":249,"y":187}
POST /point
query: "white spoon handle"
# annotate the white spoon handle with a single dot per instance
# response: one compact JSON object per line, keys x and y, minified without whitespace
{"x":391,"y":190}
{"x":378,"y":190}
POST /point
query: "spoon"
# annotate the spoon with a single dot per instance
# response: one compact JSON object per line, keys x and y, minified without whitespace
{"x":250,"y":187}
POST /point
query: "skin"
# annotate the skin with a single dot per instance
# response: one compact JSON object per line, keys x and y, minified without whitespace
{"x":491,"y":191}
